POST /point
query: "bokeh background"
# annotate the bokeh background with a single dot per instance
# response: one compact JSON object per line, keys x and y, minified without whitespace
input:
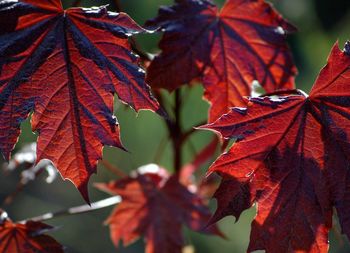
{"x":321,"y":23}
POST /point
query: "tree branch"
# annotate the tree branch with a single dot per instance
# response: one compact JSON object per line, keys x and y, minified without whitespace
{"x":176,"y":133}
{"x":116,"y":171}
{"x":189,"y":132}
{"x":78,"y":209}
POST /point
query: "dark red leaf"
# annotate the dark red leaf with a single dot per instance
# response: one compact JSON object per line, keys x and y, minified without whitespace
{"x":27,"y":238}
{"x":155,"y":206}
{"x":66,"y":65}
{"x":291,"y":157}
{"x":227,"y":48}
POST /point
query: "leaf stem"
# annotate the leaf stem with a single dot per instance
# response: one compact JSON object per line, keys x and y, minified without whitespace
{"x":189,"y":132}
{"x":19,"y":188}
{"x":116,"y":171}
{"x":176,"y":134}
{"x":78,"y":209}
{"x":10,"y":198}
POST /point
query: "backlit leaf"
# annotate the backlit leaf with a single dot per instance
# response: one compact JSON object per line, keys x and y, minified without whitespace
{"x":292,"y":157}
{"x":155,"y":206}
{"x":228,"y":49}
{"x":66,"y":66}
{"x":26,"y":238}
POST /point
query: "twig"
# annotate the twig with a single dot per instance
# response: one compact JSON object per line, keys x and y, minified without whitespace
{"x":113,"y":169}
{"x":192,"y":130}
{"x":201,"y":157}
{"x":176,"y":133}
{"x":9,"y":199}
{"x":19,"y":188}
{"x":78,"y":209}
{"x":177,"y":136}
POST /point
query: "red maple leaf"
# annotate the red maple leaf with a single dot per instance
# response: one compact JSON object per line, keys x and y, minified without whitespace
{"x":227,"y":48}
{"x":156,"y":206}
{"x":26,"y":238}
{"x":292,"y":157}
{"x":66,"y":66}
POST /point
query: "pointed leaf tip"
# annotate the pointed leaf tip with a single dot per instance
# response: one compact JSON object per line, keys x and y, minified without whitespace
{"x":83,"y":189}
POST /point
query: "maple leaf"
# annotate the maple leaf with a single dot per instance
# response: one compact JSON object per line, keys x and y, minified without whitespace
{"x":156,"y":206}
{"x":291,"y":156}
{"x":227,"y":48}
{"x":66,"y":65}
{"x":28,"y":237}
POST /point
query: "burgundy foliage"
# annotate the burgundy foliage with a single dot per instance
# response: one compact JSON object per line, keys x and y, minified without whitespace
{"x":291,"y":151}
{"x":291,"y":157}
{"x":66,"y":65}
{"x":27,"y":238}
{"x":156,"y":206}
{"x":227,"y":49}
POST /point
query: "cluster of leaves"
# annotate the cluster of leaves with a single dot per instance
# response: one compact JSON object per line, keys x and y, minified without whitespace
{"x":29,"y":237}
{"x":291,"y":151}
{"x":291,"y":156}
{"x":155,"y":203}
{"x":226,"y":49}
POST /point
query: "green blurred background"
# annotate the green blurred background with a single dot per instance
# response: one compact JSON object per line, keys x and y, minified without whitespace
{"x":321,"y":23}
